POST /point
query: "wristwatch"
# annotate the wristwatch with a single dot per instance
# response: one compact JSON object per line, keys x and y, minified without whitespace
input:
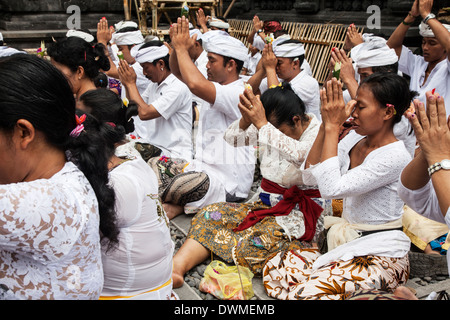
{"x":428,"y":17}
{"x":259,"y":31}
{"x":444,"y":164}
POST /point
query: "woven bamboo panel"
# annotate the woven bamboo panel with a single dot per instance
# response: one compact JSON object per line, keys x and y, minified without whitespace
{"x":318,"y":40}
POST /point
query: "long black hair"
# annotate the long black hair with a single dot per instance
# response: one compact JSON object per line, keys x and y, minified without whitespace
{"x":108,"y":107}
{"x":74,"y":52}
{"x":34,"y":90}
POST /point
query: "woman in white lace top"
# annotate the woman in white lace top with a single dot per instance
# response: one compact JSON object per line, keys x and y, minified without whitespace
{"x":51,"y":223}
{"x":284,"y":133}
{"x":366,"y":247}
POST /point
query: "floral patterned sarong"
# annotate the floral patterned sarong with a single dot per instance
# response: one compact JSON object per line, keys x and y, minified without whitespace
{"x":288,"y":275}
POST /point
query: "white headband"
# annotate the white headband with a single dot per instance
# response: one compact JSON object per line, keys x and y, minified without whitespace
{"x":280,"y":40}
{"x":373,"y":52}
{"x":151,"y":54}
{"x":218,"y":23}
{"x":125,"y":24}
{"x":80,"y":34}
{"x":289,"y":50}
{"x":197,"y":32}
{"x":426,"y":32}
{"x":127,"y":38}
{"x":220,"y":42}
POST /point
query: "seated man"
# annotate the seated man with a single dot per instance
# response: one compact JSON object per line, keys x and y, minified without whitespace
{"x":165,"y":108}
{"x":228,"y":170}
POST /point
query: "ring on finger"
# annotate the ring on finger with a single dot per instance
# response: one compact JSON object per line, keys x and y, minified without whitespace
{"x":250,"y":106}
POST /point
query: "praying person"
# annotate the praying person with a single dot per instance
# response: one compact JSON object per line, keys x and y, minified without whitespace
{"x":429,"y":72}
{"x":79,"y":61}
{"x":57,"y":208}
{"x":223,"y":173}
{"x":165,"y":107}
{"x":365,"y":248}
{"x":284,"y":214}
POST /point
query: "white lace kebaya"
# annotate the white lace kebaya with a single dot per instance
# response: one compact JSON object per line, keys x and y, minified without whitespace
{"x":49,"y":239}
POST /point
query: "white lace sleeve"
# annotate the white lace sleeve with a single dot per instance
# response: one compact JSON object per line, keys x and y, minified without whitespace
{"x":292,"y":150}
{"x":237,"y":137}
{"x":375,"y":172}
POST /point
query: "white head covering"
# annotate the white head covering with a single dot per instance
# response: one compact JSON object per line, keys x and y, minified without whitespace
{"x":289,"y":50}
{"x":151,"y":54}
{"x":218,"y":23}
{"x":281,"y":39}
{"x":127,"y":38}
{"x":1,"y":36}
{"x":125,"y":24}
{"x":80,"y":34}
{"x":220,"y":42}
{"x":426,"y":32}
{"x":373,"y":52}
{"x":197,"y":32}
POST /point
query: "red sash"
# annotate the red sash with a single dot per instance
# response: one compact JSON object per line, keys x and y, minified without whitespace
{"x":311,"y":210}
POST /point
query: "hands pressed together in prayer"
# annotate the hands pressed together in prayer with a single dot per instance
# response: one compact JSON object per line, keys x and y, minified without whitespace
{"x":104,"y":33}
{"x":179,"y":35}
{"x":252,"y":110}
{"x":432,"y":128}
{"x":126,"y":73}
{"x":333,"y":109}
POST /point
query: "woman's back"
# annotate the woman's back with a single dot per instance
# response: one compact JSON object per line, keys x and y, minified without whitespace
{"x":143,"y":259}
{"x":51,"y":246}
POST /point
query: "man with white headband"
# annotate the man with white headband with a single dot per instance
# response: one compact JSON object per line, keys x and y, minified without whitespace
{"x":290,"y":56}
{"x":126,"y":38}
{"x":165,"y":109}
{"x":229,"y":170}
{"x":371,"y":56}
{"x":431,"y":71}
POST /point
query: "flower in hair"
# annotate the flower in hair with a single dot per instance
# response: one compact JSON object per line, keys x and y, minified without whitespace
{"x":80,"y":127}
{"x":391,"y":106}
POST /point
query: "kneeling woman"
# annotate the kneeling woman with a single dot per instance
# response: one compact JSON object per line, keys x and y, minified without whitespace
{"x":283,"y":214}
{"x":366,"y":248}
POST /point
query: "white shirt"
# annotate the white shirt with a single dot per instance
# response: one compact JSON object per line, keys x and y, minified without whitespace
{"x":49,"y":238}
{"x":425,"y":202}
{"x":172,"y":131}
{"x":143,"y":258}
{"x":370,"y":196}
{"x":201,"y":62}
{"x":415,"y":66}
{"x":252,"y":62}
{"x":233,"y":167}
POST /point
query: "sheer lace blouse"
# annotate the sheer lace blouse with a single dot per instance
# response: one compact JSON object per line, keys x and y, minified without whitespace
{"x":280,"y":155}
{"x":49,"y":238}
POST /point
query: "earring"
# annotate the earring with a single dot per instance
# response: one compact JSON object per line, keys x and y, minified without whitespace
{"x":162,"y":69}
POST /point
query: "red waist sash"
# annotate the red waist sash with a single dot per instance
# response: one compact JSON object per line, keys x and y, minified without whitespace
{"x":292,"y":196}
